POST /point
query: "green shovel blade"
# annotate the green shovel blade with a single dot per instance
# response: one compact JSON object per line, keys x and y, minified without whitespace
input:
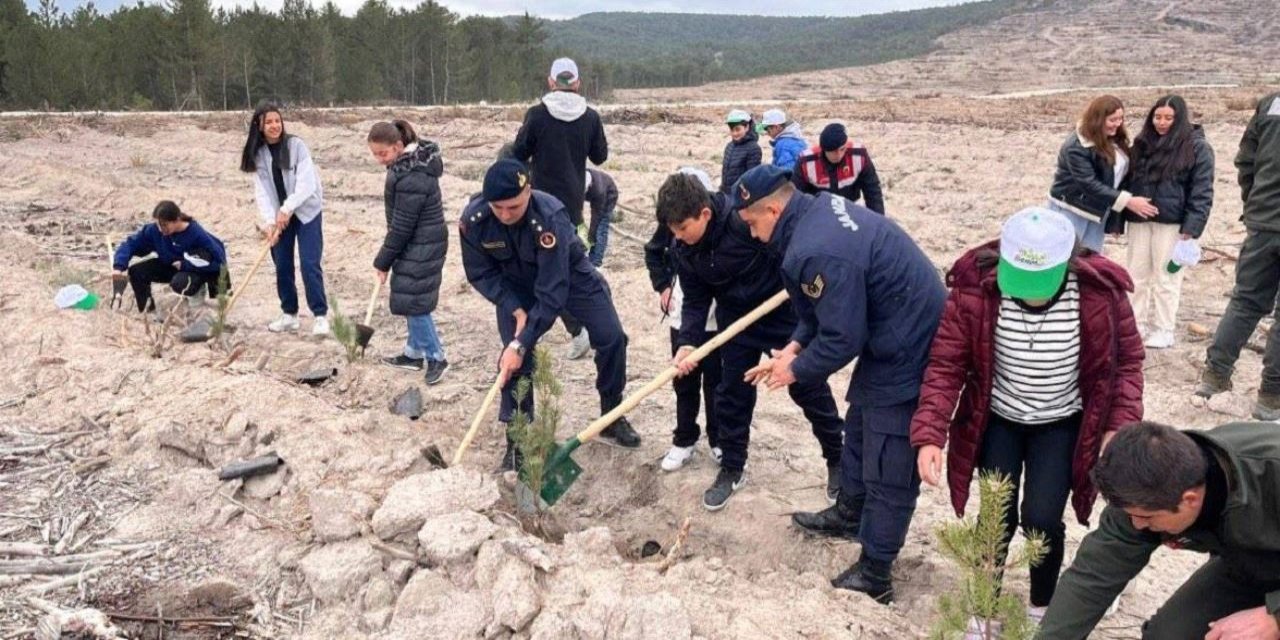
{"x":561,"y":472}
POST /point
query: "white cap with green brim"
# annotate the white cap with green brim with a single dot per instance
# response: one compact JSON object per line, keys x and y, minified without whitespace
{"x":1035,"y":247}
{"x":737,"y":116}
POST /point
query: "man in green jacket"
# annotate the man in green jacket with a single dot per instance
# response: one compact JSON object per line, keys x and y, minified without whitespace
{"x":1215,"y":492}
{"x":1258,"y":270}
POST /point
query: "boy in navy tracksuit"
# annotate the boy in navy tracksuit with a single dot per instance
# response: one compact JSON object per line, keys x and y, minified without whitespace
{"x":862,"y":289}
{"x":187,"y":257}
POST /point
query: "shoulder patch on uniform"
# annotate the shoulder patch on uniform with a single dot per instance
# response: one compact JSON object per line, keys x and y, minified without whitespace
{"x":547,"y":240}
{"x":814,"y":289}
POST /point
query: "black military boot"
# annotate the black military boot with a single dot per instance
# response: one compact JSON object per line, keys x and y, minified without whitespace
{"x":512,"y":459}
{"x":839,"y":521}
{"x":869,"y":576}
{"x":622,"y":434}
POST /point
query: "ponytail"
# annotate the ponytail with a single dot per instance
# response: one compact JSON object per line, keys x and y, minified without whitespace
{"x":392,"y":132}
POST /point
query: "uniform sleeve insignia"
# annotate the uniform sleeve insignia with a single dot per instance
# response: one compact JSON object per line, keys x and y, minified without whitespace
{"x":547,"y":240}
{"x":814,"y":289}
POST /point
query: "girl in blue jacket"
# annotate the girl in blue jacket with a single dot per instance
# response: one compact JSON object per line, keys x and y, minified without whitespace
{"x":186,"y":256}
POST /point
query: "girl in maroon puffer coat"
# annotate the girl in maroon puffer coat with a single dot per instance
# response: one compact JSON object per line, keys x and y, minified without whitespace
{"x":1039,"y":351}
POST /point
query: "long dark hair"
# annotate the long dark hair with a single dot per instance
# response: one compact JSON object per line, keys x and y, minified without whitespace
{"x":248,"y":157}
{"x":168,"y":211}
{"x":1160,"y":157}
{"x":1093,"y":122}
{"x":393,"y":132}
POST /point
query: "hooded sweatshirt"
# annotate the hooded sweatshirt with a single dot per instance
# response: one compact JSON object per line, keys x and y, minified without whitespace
{"x":559,"y":134}
{"x":788,"y":146}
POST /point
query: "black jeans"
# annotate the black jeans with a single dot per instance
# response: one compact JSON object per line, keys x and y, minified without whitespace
{"x":143,"y":274}
{"x":1254,"y":296}
{"x":1045,"y":451}
{"x":696,"y":388}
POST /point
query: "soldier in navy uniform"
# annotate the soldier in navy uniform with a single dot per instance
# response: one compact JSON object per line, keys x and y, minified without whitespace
{"x":719,"y":261}
{"x":861,"y":289}
{"x":520,"y":252}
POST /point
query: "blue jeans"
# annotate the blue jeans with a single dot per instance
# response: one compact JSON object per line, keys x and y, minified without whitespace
{"x":310,"y":240}
{"x":599,"y":234}
{"x":424,"y":341}
{"x":1090,"y":233}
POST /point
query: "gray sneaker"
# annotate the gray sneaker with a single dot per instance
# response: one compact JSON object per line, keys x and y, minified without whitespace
{"x":726,"y":483}
{"x":580,"y":346}
{"x":1212,"y":383}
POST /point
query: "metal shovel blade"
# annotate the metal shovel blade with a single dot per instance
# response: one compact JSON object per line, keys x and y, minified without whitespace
{"x":364,"y":333}
{"x":560,"y":472}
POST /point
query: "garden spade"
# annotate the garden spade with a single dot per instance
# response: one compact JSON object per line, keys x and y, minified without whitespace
{"x":364,"y":331}
{"x":560,"y":469}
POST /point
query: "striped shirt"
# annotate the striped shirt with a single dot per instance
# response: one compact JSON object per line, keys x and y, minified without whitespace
{"x":1037,"y":373}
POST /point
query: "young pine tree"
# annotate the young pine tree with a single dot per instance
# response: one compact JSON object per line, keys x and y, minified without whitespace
{"x":977,"y":545}
{"x":536,"y":438}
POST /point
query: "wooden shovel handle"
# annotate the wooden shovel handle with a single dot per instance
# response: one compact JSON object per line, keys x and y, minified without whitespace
{"x":373,"y":302}
{"x":698,"y":354}
{"x":475,"y":423}
{"x":244,"y":284}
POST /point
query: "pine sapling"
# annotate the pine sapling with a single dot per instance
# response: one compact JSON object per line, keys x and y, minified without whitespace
{"x":344,"y":331}
{"x":536,"y":437}
{"x":977,"y":546}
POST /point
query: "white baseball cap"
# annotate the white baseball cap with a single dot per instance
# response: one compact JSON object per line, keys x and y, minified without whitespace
{"x":737,"y":116}
{"x":561,"y":67}
{"x":774,"y":116}
{"x":1035,"y":247}
{"x":700,"y":175}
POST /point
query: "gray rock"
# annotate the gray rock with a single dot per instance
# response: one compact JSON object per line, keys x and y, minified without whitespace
{"x":337,"y":514}
{"x":378,"y":594}
{"x":414,"y":499}
{"x":514,"y":596}
{"x":408,"y":403}
{"x":335,"y":572}
{"x":266,"y":486}
{"x":660,"y":615}
{"x":431,"y":607}
{"x":400,"y":570}
{"x":454,"y":536}
{"x":183,"y":439}
{"x":199,"y":331}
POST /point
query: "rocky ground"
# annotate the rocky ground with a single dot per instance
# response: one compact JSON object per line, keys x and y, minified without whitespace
{"x":111,"y":433}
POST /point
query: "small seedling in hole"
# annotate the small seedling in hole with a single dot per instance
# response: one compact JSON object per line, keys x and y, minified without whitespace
{"x":977,"y":545}
{"x":536,"y":437}
{"x":344,"y":331}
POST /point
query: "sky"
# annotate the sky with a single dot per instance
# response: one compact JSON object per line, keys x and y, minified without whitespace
{"x":571,"y":8}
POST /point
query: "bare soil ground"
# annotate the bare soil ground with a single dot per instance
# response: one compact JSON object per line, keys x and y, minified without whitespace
{"x":109,"y":455}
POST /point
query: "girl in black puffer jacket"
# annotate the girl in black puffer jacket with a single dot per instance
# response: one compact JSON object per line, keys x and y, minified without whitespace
{"x":1173,"y":167}
{"x":416,"y":242}
{"x":743,"y":151}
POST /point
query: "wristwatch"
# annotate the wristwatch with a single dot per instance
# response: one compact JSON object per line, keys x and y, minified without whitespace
{"x":517,"y":347}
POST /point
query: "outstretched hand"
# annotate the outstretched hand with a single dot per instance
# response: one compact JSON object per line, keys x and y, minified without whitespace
{"x":775,"y":372}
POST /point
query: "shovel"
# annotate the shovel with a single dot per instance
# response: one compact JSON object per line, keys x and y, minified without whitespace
{"x":561,"y":471}
{"x":364,"y":332}
{"x":475,"y":423}
{"x":194,"y":334}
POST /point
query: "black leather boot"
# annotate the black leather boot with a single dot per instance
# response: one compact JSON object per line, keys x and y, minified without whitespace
{"x":869,"y":576}
{"x":622,"y":434}
{"x":512,"y":459}
{"x":839,"y":521}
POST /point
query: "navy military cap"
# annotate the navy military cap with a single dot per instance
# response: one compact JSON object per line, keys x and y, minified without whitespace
{"x":758,"y":183}
{"x":505,"y":180}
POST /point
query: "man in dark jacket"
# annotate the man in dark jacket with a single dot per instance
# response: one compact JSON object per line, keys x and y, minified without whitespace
{"x":1258,"y":271}
{"x":1210,"y":492}
{"x":742,"y":153}
{"x":861,"y":288}
{"x":841,"y":166}
{"x":717,"y":259}
{"x":521,"y":253}
{"x":559,"y":134}
{"x":602,"y":195}
{"x":413,"y":251}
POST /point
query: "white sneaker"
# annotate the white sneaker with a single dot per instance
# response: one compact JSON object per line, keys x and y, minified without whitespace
{"x":717,"y":454}
{"x":320,"y":327}
{"x":1159,"y":340}
{"x":284,"y":323}
{"x":676,"y":457}
{"x":580,"y":345}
